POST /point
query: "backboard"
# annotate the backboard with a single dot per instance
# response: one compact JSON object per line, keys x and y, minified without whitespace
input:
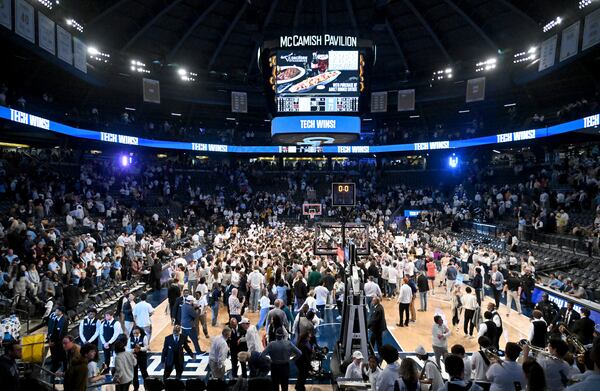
{"x":329,"y":237}
{"x":311,"y":210}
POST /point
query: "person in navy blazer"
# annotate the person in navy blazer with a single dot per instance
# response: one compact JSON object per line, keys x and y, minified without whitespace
{"x":57,"y":329}
{"x":172,"y":353}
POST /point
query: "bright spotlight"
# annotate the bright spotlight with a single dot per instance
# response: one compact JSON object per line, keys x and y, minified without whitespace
{"x":181,"y":71}
{"x":125,"y":160}
{"x":93,"y":51}
{"x":453,"y":161}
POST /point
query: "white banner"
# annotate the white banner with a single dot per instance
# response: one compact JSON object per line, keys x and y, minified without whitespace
{"x":64,"y":45}
{"x":475,"y":90}
{"x":46,"y":33}
{"x":569,"y":43}
{"x":547,"y":53}
{"x":379,"y":102}
{"x":6,"y":13}
{"x":591,"y":30}
{"x":80,"y":55}
{"x":25,"y":20}
{"x":406,"y":100}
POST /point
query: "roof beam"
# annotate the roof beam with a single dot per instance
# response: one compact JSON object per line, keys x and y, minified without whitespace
{"x":192,"y":28}
{"x":104,"y":13}
{"x":264,"y":27}
{"x":532,"y":23}
{"x":149,"y":24}
{"x":429,"y":29}
{"x":297,"y":14}
{"x":390,"y":31}
{"x":474,"y":25}
{"x":226,"y":36}
{"x":352,"y":18}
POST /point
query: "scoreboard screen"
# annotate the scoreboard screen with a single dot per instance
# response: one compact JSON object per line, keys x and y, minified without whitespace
{"x":312,"y":81}
{"x":343,"y":194}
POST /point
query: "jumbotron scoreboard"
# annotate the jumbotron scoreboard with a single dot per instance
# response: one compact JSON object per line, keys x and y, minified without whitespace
{"x":316,"y":84}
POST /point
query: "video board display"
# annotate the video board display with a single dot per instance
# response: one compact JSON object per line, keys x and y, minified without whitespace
{"x":312,"y":81}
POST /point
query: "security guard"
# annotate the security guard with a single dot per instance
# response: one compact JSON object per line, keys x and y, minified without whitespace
{"x":57,"y":329}
{"x":138,"y":345}
{"x":111,"y":329}
{"x":89,"y":328}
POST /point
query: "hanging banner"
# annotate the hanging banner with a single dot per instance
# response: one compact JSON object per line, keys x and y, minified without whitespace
{"x":80,"y":55}
{"x":475,"y":90}
{"x":239,"y":102}
{"x":151,"y":90}
{"x":46,"y":33}
{"x":64,"y":42}
{"x":547,"y":53}
{"x":591,"y":30}
{"x":25,"y":20}
{"x":406,"y":100}
{"x":379,"y":102}
{"x":569,"y":43}
{"x":6,"y":13}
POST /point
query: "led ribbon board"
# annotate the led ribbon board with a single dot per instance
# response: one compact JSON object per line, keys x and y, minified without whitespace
{"x":115,"y":138}
{"x":315,"y":130}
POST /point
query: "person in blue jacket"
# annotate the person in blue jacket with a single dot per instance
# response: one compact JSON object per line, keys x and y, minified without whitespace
{"x":188,"y":322}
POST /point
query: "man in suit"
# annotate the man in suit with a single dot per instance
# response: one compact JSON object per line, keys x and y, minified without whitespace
{"x":377,"y":323}
{"x":234,"y":346}
{"x":57,"y":330}
{"x":89,"y":328}
{"x":177,"y":306}
{"x":568,"y":316}
{"x":172,"y":353}
{"x":584,"y":327}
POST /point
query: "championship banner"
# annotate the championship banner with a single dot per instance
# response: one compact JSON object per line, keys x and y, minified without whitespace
{"x":25,"y":20}
{"x":379,"y":102}
{"x":569,"y":42}
{"x":80,"y":55}
{"x":46,"y":33}
{"x":64,"y":41}
{"x":151,"y":90}
{"x":239,"y":102}
{"x":475,"y":90}
{"x":6,"y":13}
{"x":406,"y":100}
{"x":547,"y":53}
{"x":591,"y":30}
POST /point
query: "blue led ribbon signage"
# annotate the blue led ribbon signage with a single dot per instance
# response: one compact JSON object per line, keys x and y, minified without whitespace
{"x":302,"y":124}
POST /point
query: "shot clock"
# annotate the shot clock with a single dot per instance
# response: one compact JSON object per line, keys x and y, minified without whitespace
{"x":343,"y":194}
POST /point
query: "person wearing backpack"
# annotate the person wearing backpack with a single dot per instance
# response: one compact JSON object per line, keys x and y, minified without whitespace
{"x":430,"y":374}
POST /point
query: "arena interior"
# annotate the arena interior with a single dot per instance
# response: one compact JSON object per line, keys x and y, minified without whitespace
{"x":387,"y":195}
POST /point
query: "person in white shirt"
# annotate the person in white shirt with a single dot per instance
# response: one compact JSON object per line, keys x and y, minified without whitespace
{"x":354,"y":369}
{"x":508,"y":375}
{"x":89,"y":328}
{"x":255,"y":283}
{"x":218,"y":354}
{"x":557,"y":371}
{"x":372,"y":371}
{"x":480,"y":361}
{"x":404,"y":299}
{"x":391,"y":372}
{"x":457,"y":381}
{"x":439,"y":336}
{"x":393,"y":277}
{"x":431,"y":372}
{"x":459,"y":350}
{"x":321,"y":294}
{"x":371,"y":289}
{"x":469,"y":304}
{"x":141,"y":315}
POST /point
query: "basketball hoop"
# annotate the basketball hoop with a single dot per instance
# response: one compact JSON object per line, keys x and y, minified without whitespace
{"x":311,"y":210}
